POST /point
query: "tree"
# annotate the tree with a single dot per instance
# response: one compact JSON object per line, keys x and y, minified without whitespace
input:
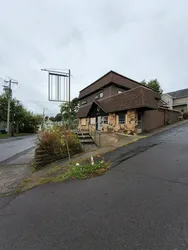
{"x":52,"y":118}
{"x":73,"y":109}
{"x":20,"y":118}
{"x":58,"y":117}
{"x":153,"y":84}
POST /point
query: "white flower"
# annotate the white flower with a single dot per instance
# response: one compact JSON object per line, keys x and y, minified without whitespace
{"x":77,"y":164}
{"x":102,"y":162}
{"x":92,"y":161}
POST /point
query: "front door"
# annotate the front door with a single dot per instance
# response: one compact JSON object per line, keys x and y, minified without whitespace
{"x":98,"y":123}
{"x":139,"y":123}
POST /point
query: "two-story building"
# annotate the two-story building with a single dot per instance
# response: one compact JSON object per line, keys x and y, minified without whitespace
{"x":177,"y":100}
{"x":119,"y":104}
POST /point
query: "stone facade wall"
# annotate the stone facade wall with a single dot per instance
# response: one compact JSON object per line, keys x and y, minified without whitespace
{"x":130,"y":126}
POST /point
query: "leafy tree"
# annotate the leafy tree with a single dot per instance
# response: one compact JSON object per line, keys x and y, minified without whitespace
{"x":143,"y":82}
{"x":73,"y":109}
{"x":58,"y":117}
{"x":20,"y":118}
{"x":153,"y":84}
{"x":52,"y":118}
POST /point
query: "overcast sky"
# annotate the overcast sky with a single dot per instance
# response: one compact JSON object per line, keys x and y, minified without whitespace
{"x":139,"y":39}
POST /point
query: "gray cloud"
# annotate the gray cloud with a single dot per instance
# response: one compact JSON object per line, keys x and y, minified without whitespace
{"x":140,"y":39}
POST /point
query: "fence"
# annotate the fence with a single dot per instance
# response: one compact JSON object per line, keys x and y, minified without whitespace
{"x":157,"y":118}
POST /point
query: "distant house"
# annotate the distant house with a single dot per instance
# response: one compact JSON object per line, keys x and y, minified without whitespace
{"x":177,"y":100}
{"x":119,"y":104}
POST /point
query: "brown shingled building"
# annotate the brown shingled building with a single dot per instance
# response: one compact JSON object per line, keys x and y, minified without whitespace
{"x":119,"y":104}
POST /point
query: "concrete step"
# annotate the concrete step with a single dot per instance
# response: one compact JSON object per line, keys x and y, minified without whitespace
{"x":82,"y":133}
{"x":84,"y":136}
{"x":87,"y":141}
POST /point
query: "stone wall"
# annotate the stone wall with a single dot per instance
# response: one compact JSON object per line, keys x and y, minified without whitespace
{"x":43,"y":157}
{"x":130,"y":126}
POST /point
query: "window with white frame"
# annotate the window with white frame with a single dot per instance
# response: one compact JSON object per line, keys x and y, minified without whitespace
{"x":105,"y":119}
{"x":101,"y":95}
{"x":84,"y":102}
{"x":92,"y":121}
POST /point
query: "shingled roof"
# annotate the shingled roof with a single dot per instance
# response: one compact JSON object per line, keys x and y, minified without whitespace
{"x":179,"y":93}
{"x":139,"y":97}
{"x":110,"y":77}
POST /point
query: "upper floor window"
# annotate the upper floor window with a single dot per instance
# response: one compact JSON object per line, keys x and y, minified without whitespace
{"x":84,"y":102}
{"x":97,"y":97}
{"x":101,"y":95}
{"x":120,"y":91}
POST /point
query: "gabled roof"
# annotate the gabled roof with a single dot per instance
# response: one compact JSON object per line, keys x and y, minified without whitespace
{"x":110,"y":77}
{"x":139,"y":97}
{"x":179,"y":93}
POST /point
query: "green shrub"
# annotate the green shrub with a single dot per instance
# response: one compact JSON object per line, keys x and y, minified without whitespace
{"x":54,"y":141}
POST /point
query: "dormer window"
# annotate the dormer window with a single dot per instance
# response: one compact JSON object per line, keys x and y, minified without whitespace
{"x":84,"y":102}
{"x":101,"y":95}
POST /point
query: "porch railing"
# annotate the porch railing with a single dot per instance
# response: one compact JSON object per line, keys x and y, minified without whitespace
{"x":95,"y":135}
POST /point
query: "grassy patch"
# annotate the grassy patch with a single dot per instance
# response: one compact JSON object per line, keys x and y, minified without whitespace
{"x":86,"y":170}
{"x":81,"y":172}
{"x":22,"y":185}
{"x":4,"y":136}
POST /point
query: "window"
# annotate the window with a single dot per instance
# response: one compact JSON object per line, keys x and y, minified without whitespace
{"x":92,"y":121}
{"x":120,"y":91}
{"x":96,"y":97}
{"x":105,"y":119}
{"x":121,"y":119}
{"x":101,"y":95}
{"x":84,"y":102}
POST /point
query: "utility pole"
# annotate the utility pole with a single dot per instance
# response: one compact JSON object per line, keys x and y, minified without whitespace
{"x":9,"y":88}
{"x":69,"y":101}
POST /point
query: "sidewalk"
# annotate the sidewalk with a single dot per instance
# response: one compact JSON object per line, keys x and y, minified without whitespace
{"x":15,"y":171}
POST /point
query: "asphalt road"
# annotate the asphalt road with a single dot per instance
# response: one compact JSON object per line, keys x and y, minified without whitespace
{"x":15,"y":146}
{"x":141,"y":203}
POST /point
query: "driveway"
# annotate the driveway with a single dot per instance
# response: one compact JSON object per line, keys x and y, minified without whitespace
{"x":141,"y":203}
{"x":11,"y":147}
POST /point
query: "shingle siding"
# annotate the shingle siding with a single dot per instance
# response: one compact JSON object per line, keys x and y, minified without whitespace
{"x":108,"y":79}
{"x":135,"y":98}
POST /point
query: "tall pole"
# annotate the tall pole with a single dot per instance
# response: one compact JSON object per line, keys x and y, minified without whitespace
{"x":43,"y":122}
{"x":9,"y":101}
{"x":69,"y":101}
{"x":8,"y":110}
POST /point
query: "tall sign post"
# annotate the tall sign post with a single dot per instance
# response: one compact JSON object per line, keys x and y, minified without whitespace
{"x":59,"y":85}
